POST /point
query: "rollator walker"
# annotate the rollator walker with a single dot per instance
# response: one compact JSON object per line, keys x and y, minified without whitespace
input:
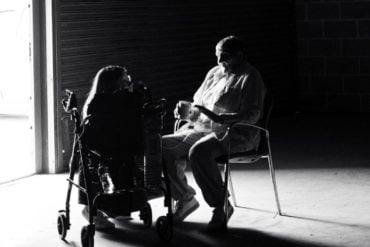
{"x":151,"y":180}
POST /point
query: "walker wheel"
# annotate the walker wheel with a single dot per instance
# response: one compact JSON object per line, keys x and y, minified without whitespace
{"x":146,"y":215}
{"x":62,"y":225}
{"x":87,"y":236}
{"x":164,"y":228}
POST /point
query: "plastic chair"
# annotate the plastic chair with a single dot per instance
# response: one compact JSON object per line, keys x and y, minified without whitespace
{"x":262,"y":152}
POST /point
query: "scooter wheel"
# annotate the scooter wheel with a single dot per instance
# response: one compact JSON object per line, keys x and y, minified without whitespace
{"x":62,"y":225}
{"x":164,"y":228}
{"x":87,"y":236}
{"x":146,"y":215}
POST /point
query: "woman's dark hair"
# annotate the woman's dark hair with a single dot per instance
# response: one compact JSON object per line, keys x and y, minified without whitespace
{"x":106,"y":80}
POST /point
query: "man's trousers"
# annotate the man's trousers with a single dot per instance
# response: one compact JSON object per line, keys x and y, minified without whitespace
{"x":200,"y":149}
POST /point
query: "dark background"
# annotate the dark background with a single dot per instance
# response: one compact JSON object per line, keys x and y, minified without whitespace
{"x":334,"y":55}
{"x":313,"y":55}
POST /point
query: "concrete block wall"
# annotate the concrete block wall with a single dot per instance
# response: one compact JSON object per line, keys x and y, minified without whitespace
{"x":333,"y":40}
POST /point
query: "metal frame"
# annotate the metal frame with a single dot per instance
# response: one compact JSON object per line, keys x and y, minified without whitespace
{"x":178,"y":123}
{"x":228,"y":180}
{"x":227,"y":173}
{"x":36,"y":84}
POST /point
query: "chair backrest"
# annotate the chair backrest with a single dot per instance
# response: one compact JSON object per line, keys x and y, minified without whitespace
{"x":267,"y":109}
{"x":265,"y":120}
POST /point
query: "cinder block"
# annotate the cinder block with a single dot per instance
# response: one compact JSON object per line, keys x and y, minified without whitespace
{"x":342,"y":65}
{"x":300,"y":11}
{"x":344,"y":103}
{"x":311,"y":66}
{"x":356,"y":47}
{"x":355,"y":9}
{"x":341,"y":29}
{"x":365,"y":103}
{"x":326,"y":84}
{"x":309,"y":29}
{"x":365,"y":65}
{"x":320,"y":84}
{"x":313,"y":102}
{"x":323,"y":11}
{"x":356,"y":84}
{"x":324,"y":47}
{"x":302,"y":47}
{"x":364,"y":28}
{"x":304,"y":85}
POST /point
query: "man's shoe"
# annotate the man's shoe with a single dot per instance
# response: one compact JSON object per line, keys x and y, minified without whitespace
{"x":219,"y":219}
{"x":183,"y":208}
{"x":101,"y":220}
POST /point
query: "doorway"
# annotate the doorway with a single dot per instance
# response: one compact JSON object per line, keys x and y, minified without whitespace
{"x":16,"y":132}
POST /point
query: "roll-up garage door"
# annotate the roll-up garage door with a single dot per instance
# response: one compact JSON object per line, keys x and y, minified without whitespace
{"x":168,"y":44}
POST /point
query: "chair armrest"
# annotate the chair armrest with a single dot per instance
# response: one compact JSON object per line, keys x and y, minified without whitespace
{"x":266,"y":136}
{"x":249,"y":125}
{"x":178,"y":124}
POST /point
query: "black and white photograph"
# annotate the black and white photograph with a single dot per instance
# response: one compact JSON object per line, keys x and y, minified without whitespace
{"x":185,"y":123}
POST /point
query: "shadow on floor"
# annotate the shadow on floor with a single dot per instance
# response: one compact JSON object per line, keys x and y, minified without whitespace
{"x":71,"y":243}
{"x":325,"y":221}
{"x":194,"y":234}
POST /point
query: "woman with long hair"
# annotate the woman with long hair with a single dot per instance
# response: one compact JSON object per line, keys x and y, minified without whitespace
{"x":108,"y":80}
{"x":112,"y":113}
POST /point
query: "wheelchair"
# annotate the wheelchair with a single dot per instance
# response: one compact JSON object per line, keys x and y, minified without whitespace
{"x":147,"y":184}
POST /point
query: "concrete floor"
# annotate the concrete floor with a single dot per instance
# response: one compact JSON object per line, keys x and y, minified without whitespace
{"x":323,"y":180}
{"x":15,"y":148}
{"x":323,"y":207}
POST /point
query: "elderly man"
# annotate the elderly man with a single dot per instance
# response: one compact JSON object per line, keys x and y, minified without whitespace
{"x":233,"y":90}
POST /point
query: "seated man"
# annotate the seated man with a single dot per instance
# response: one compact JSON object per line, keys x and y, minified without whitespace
{"x":234,"y":90}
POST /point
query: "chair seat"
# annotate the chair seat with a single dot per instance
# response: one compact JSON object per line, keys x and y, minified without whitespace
{"x":243,"y":157}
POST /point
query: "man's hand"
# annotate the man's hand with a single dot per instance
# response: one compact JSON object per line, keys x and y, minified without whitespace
{"x":185,"y":110}
{"x":193,"y":114}
{"x":181,"y":109}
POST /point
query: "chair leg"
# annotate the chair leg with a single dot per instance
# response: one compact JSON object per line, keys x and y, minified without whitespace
{"x":226,"y":192}
{"x":272,"y":173}
{"x":226,"y":182}
{"x":232,"y":190}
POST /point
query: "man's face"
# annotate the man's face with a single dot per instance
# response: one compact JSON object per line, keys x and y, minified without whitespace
{"x":227,"y":60}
